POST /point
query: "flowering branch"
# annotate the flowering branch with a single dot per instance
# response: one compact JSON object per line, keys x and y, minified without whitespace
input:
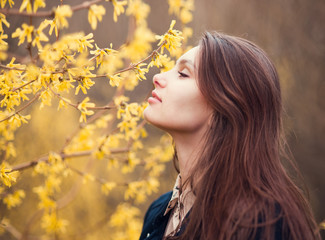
{"x":11,"y":68}
{"x":76,"y":105}
{"x":27,"y":105}
{"x":17,"y":88}
{"x":133,"y":65}
{"x":26,"y":165}
{"x":50,"y":13}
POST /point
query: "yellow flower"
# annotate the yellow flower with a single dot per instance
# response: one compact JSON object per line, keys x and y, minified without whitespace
{"x":17,"y":119}
{"x":156,"y":60}
{"x":45,"y":199}
{"x":133,"y":161}
{"x":59,"y":21}
{"x":100,"y":53}
{"x":61,"y":13}
{"x":53,"y":183}
{"x":108,"y":187}
{"x":120,"y":100}
{"x":85,"y":42}
{"x":15,"y":199}
{"x":25,"y":32}
{"x":7,"y":176}
{"x":174,"y":6}
{"x":118,"y":8}
{"x":63,"y":103}
{"x":84,"y":84}
{"x":52,"y":224}
{"x":40,"y":36}
{"x":39,"y":4}
{"x":83,"y":109}
{"x":64,"y":85}
{"x":3,"y":36}
{"x":123,"y":214}
{"x":114,"y":80}
{"x":186,"y":16}
{"x":170,"y":40}
{"x":95,"y":12}
{"x":140,"y":72}
{"x":46,"y":98}
{"x":138,"y":9}
{"x":3,"y":21}
{"x":10,"y":150}
{"x":85,"y":81}
{"x":88,"y":177}
{"x":26,"y":4}
{"x":3,"y":3}
{"x":182,"y":9}
{"x":140,"y":46}
{"x":166,"y":62}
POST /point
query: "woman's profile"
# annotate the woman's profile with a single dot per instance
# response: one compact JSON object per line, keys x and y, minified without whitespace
{"x":221,"y":104}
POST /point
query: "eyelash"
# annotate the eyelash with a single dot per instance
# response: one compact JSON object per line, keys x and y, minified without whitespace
{"x":182,"y":74}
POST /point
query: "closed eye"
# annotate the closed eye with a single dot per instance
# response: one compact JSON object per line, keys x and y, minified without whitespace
{"x":183,"y":75}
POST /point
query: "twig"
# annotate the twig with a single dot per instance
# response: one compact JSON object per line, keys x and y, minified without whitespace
{"x":132,"y":66}
{"x":76,"y":105}
{"x":26,"y":165}
{"x":14,"y":232}
{"x":27,"y":105}
{"x":17,"y":88}
{"x":11,"y":68}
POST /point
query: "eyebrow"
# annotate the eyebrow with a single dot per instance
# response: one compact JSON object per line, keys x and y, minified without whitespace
{"x":185,"y":62}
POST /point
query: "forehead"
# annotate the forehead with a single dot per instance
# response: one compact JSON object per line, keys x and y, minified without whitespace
{"x":189,"y":56}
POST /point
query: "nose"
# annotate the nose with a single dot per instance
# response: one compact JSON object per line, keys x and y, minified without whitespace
{"x":159,"y":80}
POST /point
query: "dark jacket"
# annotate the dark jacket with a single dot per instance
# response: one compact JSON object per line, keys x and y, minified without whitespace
{"x":155,"y":222}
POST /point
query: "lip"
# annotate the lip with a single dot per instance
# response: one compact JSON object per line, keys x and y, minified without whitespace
{"x":155,"y":96}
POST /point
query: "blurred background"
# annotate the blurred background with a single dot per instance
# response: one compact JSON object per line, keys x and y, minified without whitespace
{"x":290,"y":31}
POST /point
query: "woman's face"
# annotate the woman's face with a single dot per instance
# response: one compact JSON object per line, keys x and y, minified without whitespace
{"x":177,"y":104}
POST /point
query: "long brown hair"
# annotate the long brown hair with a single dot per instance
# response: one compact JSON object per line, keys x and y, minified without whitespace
{"x":242,"y":189}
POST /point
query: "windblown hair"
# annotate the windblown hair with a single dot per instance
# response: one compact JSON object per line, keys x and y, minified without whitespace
{"x":242,"y":189}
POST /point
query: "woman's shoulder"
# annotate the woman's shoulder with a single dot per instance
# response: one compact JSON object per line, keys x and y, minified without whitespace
{"x":158,"y":206}
{"x":154,"y":220}
{"x":161,"y":201}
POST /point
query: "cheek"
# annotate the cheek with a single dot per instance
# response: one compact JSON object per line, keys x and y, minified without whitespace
{"x":181,"y":111}
{"x":187,"y":112}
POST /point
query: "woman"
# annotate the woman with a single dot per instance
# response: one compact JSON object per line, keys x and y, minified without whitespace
{"x":221,"y":103}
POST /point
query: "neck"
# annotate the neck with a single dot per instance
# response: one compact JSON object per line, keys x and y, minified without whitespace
{"x":188,"y":147}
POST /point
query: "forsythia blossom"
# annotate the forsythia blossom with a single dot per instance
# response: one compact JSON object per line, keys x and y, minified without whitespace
{"x":83,"y":109}
{"x":40,"y":36}
{"x":171,"y":40}
{"x":100,"y":53}
{"x":26,"y":4}
{"x":38,"y":4}
{"x":7,"y":176}
{"x":15,"y":199}
{"x":118,"y":8}
{"x":4,"y":21}
{"x":25,"y":32}
{"x":3,"y":3}
{"x":95,"y":13}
